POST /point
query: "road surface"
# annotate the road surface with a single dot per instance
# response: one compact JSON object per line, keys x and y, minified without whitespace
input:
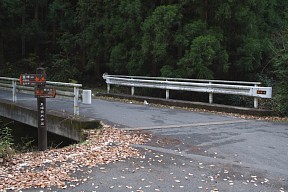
{"x":189,"y":151}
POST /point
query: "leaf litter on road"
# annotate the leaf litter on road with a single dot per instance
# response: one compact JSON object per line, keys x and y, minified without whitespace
{"x":54,"y":168}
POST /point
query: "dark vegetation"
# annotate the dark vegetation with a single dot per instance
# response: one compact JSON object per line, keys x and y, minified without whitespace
{"x":81,"y":39}
{"x":16,"y":137}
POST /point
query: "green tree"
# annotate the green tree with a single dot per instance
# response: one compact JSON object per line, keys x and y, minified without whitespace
{"x":205,"y":54}
{"x":64,"y":63}
{"x":158,"y":34}
{"x":247,"y":26}
{"x":81,"y":39}
{"x":280,"y":64}
{"x":200,"y":53}
{"x":10,"y":11}
{"x":91,"y":18}
{"x":126,"y":31}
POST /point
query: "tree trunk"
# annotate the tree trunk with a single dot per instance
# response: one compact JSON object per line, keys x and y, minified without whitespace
{"x":53,"y":36}
{"x":83,"y":58}
{"x":97,"y":64}
{"x":23,"y":40}
{"x":154,"y":68}
{"x":36,"y":11}
{"x":179,"y":47}
{"x":2,"y":60}
{"x":36,"y":17}
{"x":206,"y":10}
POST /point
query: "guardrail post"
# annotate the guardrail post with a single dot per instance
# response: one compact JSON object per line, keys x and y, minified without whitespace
{"x":132,"y":89}
{"x":167,"y":94}
{"x":76,"y":103}
{"x":210,"y":95}
{"x":14,"y":96}
{"x":256,"y":101}
{"x":108,"y":88}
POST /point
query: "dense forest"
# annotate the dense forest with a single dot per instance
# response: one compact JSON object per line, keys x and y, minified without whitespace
{"x":81,"y":39}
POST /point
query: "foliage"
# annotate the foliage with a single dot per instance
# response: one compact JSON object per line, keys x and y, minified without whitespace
{"x":158,"y":31}
{"x":82,"y":39}
{"x":6,"y":142}
{"x":61,"y":69}
{"x":205,"y":51}
{"x":280,"y":64}
{"x":26,"y":144}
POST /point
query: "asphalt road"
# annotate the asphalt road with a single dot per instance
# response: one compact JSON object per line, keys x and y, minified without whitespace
{"x":192,"y":151}
{"x":189,"y":151}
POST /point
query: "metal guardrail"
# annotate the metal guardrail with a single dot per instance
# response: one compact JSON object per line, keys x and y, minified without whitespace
{"x":251,"y":89}
{"x":70,"y":90}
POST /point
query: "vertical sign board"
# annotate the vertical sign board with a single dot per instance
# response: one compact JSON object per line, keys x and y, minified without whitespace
{"x":41,"y":105}
{"x":42,"y":128}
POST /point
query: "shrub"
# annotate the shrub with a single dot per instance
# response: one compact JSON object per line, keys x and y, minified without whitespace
{"x":6,"y":142}
{"x":280,"y":64}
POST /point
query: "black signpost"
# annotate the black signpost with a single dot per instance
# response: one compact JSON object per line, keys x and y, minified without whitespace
{"x":41,"y":92}
{"x":42,"y":128}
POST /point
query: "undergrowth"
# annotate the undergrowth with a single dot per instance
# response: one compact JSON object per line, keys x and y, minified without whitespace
{"x":6,"y":144}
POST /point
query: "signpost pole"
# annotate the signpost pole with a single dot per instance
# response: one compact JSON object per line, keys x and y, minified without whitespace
{"x":41,"y":92}
{"x":41,"y":113}
{"x":42,"y":128}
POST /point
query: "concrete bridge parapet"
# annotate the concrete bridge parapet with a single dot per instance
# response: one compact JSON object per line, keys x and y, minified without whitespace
{"x":59,"y":123}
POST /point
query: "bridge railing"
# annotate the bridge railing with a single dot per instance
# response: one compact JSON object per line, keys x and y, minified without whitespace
{"x":252,"y":89}
{"x":70,"y":90}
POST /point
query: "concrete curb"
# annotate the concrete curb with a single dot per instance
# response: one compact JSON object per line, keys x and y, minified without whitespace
{"x":190,"y":104}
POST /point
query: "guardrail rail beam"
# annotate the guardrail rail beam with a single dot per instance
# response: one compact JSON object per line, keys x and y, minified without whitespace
{"x":8,"y":83}
{"x":251,"y":89}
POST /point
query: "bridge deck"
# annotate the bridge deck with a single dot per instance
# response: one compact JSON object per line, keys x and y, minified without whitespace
{"x":60,"y":118}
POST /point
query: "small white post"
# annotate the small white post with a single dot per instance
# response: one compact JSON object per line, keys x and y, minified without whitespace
{"x":108,"y":88}
{"x":256,"y":101}
{"x":210,"y":95}
{"x":132,"y":91}
{"x":14,"y":95}
{"x":76,"y":103}
{"x":167,"y":94}
{"x":210,"y":98}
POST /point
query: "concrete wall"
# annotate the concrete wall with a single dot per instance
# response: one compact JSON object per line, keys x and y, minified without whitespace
{"x":58,"y":123}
